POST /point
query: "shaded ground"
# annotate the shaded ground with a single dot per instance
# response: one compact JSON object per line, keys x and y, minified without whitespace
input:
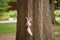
{"x":12,"y":36}
{"x":57,"y":27}
{"x":8,"y":36}
{"x":58,"y":38}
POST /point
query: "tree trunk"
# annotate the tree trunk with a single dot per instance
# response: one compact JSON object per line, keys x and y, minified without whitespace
{"x":42,"y":24}
{"x":21,"y":20}
{"x":52,"y":11}
{"x":58,"y":4}
{"x":24,"y":10}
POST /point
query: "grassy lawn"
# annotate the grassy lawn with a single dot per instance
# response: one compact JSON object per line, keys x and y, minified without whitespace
{"x":56,"y":31}
{"x":5,"y":28}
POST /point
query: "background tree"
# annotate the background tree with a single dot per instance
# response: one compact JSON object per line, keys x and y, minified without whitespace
{"x":4,"y":4}
{"x":52,"y":5}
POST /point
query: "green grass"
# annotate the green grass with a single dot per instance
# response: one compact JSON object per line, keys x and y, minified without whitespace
{"x":56,"y":31}
{"x":5,"y":28}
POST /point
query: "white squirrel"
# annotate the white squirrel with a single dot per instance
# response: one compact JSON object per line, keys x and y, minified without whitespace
{"x":29,"y":25}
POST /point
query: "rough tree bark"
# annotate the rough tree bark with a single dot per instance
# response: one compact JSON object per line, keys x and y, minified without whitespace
{"x":21,"y":20}
{"x":42,"y":24}
{"x":52,"y":11}
{"x":24,"y":10}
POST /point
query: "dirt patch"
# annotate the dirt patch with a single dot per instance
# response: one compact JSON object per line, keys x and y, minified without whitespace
{"x":8,"y":36}
{"x":56,"y":26}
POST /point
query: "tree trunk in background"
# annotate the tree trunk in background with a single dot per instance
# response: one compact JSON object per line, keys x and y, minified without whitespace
{"x":39,"y":10}
{"x":58,"y":4}
{"x":13,"y":5}
{"x":52,"y":11}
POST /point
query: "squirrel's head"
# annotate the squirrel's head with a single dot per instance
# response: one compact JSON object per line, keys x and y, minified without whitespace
{"x":29,"y":18}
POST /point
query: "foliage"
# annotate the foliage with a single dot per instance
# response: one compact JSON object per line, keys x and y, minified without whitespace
{"x":57,"y":13}
{"x":57,"y":16}
{"x":4,"y":7}
{"x":4,"y":15}
{"x":7,"y":15}
{"x":55,"y":1}
{"x":4,"y":4}
{"x":13,"y":13}
{"x":57,"y":20}
{"x":11,"y":0}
